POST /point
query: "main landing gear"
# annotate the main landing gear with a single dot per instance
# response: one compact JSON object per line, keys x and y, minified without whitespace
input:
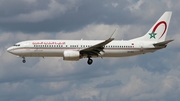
{"x":90,"y":61}
{"x":24,"y":60}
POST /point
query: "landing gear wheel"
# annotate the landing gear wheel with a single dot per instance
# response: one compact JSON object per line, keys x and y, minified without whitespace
{"x":90,"y":61}
{"x":24,"y":61}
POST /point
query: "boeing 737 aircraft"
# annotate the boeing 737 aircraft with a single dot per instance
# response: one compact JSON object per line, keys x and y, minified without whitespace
{"x":73,"y":50}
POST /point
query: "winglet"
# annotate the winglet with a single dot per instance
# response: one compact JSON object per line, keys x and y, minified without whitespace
{"x":113,"y":34}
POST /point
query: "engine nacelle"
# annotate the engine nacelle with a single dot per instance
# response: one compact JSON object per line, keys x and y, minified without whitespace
{"x":71,"y":55}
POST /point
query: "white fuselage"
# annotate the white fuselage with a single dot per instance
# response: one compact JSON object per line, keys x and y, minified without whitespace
{"x":55,"y":48}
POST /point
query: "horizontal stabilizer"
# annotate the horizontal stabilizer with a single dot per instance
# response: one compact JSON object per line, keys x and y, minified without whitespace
{"x":162,"y":43}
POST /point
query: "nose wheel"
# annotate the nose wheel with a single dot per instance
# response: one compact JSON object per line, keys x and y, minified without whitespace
{"x":24,"y":60}
{"x":90,"y":61}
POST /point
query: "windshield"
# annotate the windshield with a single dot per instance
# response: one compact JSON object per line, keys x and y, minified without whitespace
{"x":16,"y":45}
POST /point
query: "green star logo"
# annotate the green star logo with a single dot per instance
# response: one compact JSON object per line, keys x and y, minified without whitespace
{"x":152,"y":35}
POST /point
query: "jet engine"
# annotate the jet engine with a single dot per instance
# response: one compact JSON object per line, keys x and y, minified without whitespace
{"x":71,"y":55}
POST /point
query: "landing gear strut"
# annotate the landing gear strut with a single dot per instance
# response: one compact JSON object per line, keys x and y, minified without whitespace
{"x":24,"y":60}
{"x":90,"y":61}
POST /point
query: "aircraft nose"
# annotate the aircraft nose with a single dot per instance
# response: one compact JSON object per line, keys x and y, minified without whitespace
{"x":9,"y":50}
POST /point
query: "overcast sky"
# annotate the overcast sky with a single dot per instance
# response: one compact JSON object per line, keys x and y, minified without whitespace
{"x":149,"y":77}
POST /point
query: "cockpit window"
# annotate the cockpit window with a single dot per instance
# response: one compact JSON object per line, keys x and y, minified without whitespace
{"x":17,"y":45}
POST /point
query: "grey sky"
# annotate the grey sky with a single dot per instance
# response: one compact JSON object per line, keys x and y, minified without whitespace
{"x":58,"y":15}
{"x":153,"y":76}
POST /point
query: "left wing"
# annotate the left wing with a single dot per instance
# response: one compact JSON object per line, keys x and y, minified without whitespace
{"x":96,"y":49}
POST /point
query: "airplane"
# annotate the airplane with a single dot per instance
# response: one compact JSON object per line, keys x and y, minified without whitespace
{"x":74,"y":50}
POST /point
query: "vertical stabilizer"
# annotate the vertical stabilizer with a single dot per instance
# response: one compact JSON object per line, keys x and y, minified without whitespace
{"x":158,"y":31}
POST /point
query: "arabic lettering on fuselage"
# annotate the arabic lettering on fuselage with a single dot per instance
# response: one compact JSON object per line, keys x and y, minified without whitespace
{"x":46,"y":43}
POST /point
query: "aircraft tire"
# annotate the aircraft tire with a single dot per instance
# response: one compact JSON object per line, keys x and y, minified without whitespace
{"x":90,"y":61}
{"x":24,"y":61}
